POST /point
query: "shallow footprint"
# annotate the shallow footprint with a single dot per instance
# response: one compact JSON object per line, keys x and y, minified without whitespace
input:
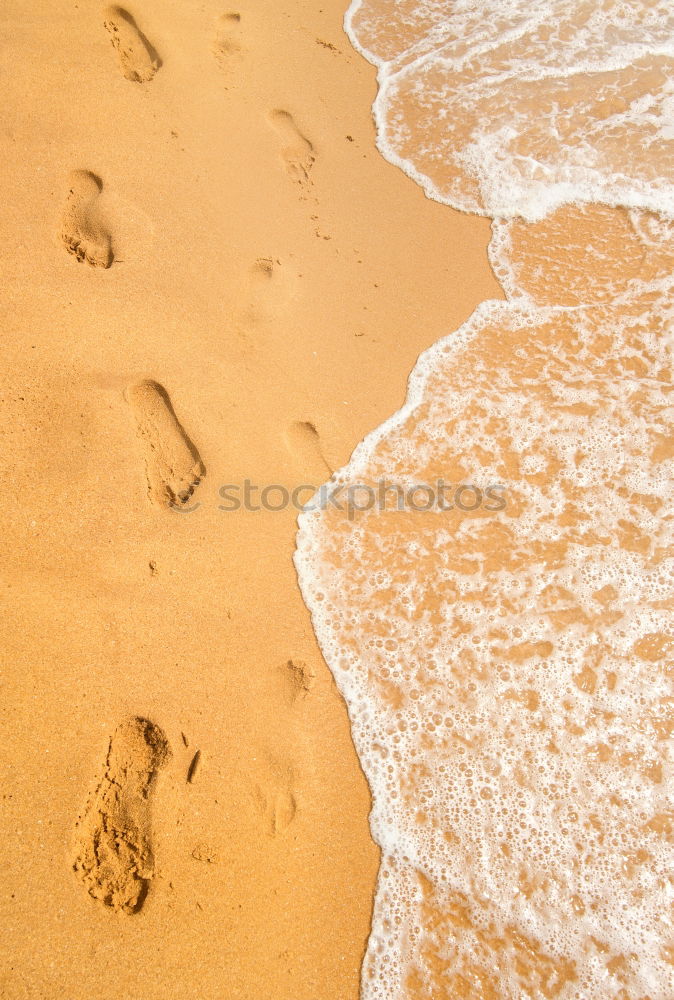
{"x":304,"y":443}
{"x":276,"y":799}
{"x":114,"y":857}
{"x":268,"y":289}
{"x":226,"y":42}
{"x":82,"y":234}
{"x":296,"y":150}
{"x":173,"y":465}
{"x":262,"y":271}
{"x":137,"y":58}
{"x":298,"y":680}
{"x":262,"y":286}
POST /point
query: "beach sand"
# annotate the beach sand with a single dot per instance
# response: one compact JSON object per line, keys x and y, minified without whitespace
{"x":209,"y":275}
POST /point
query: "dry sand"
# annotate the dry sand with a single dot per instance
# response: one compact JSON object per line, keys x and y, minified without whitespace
{"x":209,"y":274}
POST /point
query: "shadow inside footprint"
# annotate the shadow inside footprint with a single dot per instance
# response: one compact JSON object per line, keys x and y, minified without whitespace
{"x":114,"y":856}
{"x":82,"y":233}
{"x":173,"y":464}
{"x":138,"y":59}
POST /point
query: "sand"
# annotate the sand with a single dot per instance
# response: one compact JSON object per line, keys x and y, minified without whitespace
{"x":209,"y":275}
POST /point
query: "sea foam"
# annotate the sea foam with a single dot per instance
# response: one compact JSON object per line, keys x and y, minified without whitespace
{"x":508,"y":674}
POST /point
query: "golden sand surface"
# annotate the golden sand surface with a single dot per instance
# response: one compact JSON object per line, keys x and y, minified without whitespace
{"x":209,"y":275}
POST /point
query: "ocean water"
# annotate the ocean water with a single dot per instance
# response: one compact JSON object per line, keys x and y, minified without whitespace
{"x":506,"y":654}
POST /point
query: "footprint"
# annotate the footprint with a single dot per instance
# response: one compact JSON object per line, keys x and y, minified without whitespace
{"x":268,"y":289}
{"x":303,"y":442}
{"x":298,"y":679}
{"x":82,"y":233}
{"x":137,"y":58}
{"x":226,"y":41}
{"x":173,"y":465}
{"x":261,"y":291}
{"x":296,"y":150}
{"x":114,"y":856}
{"x":262,"y":270}
{"x":276,"y":800}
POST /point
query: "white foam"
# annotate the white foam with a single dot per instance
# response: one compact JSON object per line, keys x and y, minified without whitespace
{"x":495,"y":106}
